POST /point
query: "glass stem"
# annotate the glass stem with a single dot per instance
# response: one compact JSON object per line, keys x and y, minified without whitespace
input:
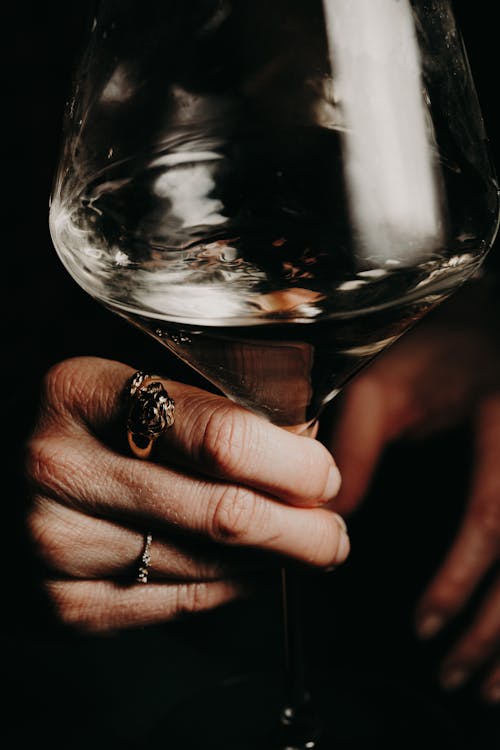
{"x":296,"y":693}
{"x":300,"y":727}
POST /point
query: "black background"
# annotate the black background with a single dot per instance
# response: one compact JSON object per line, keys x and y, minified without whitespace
{"x":75,"y":692}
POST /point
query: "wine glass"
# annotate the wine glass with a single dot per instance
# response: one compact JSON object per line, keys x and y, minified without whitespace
{"x":275,"y":192}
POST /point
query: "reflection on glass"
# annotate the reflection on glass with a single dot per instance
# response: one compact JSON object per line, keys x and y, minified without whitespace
{"x":274,"y":191}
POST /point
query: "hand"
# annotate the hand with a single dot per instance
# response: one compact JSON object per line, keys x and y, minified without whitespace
{"x":444,"y":371}
{"x":221,"y":498}
{"x":474,"y":554}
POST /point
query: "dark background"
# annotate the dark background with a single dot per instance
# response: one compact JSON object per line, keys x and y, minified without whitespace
{"x":74,"y":692}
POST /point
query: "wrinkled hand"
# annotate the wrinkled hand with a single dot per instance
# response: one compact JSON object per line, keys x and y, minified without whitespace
{"x":221,"y":493}
{"x":447,"y":369}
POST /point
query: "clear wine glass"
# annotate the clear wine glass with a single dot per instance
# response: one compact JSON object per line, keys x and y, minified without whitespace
{"x":275,"y":192}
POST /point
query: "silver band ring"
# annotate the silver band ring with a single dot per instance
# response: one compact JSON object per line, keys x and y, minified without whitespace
{"x":143,"y":572}
{"x":151,"y":413}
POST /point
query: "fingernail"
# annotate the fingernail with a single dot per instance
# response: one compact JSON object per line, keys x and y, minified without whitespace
{"x":493,"y":693}
{"x":454,"y":678}
{"x":333,"y":482}
{"x":429,"y":626}
{"x":341,"y":522}
{"x":343,"y":548}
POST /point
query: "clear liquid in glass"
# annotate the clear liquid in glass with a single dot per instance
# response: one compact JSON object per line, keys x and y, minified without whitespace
{"x":238,"y":255}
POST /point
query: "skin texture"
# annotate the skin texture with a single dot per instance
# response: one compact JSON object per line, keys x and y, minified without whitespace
{"x":445,"y":371}
{"x":225,"y":494}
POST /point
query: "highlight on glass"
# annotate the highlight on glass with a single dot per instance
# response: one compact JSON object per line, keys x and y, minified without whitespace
{"x":275,"y":191}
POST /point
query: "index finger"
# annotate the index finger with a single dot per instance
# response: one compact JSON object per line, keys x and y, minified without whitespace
{"x":476,"y":546}
{"x":212,"y":435}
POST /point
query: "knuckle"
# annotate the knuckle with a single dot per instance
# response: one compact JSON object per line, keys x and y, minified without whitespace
{"x":77,"y":613}
{"x":33,"y":461}
{"x":55,"y":467}
{"x":192,"y":598}
{"x":69,"y":389}
{"x":59,"y":383}
{"x":43,"y":464}
{"x":237,"y":515}
{"x":47,"y":543}
{"x":60,"y":541}
{"x":225,"y":443}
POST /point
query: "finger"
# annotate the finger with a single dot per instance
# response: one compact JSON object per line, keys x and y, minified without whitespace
{"x":104,"y":606}
{"x":81,"y":546}
{"x":210,"y":434}
{"x":491,"y":685}
{"x":359,"y":440}
{"x":468,"y":561}
{"x":479,"y":644}
{"x":477,"y":544}
{"x":102,"y":483}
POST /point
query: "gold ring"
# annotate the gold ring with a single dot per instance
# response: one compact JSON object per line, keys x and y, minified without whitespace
{"x":151,"y":413}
